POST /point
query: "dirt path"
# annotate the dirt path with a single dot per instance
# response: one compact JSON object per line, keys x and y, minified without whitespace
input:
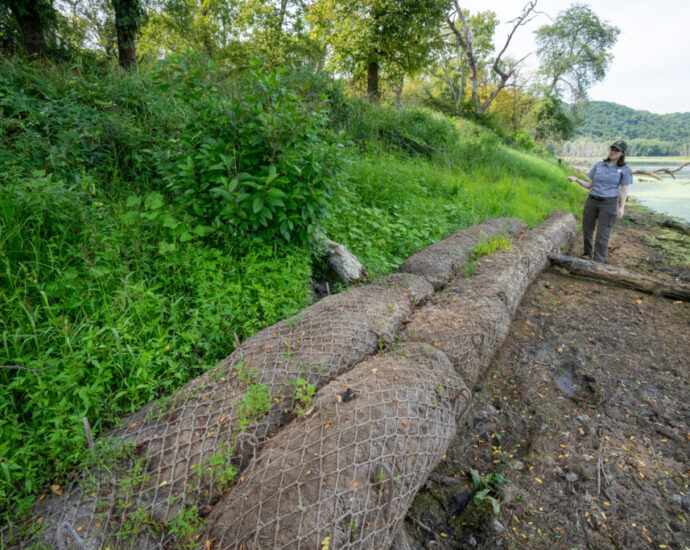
{"x":584,"y":411}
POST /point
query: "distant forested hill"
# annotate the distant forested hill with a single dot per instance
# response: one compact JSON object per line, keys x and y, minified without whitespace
{"x":646,"y":133}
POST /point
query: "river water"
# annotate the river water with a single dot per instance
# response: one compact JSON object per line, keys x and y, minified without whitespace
{"x":667,"y":196}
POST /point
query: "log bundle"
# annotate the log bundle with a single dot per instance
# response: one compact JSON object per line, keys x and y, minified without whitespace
{"x":348,"y":476}
{"x":176,"y":454}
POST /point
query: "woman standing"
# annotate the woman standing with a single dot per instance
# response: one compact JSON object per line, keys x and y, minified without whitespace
{"x":608,"y":184}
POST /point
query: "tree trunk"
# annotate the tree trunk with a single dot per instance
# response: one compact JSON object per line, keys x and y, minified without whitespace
{"x":127,"y":20}
{"x":127,"y":54}
{"x":622,"y":277}
{"x":32,"y":23}
{"x":281,"y":15}
{"x":398,"y":91}
{"x":373,"y":80}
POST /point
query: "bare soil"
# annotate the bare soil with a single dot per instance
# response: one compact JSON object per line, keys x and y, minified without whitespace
{"x":584,"y":411}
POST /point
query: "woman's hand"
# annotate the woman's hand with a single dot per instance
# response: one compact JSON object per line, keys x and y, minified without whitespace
{"x":587,"y":184}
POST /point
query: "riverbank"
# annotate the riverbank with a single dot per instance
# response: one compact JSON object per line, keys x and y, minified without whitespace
{"x":584,"y":413}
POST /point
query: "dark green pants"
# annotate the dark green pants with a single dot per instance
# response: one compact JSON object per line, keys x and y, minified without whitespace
{"x":602,"y":214}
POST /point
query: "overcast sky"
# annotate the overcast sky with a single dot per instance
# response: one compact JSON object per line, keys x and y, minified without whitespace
{"x":651,"y":64}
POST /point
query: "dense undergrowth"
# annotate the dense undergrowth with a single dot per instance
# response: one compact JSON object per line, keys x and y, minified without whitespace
{"x":146,"y":218}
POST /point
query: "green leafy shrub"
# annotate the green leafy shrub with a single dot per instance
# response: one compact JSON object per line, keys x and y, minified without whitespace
{"x":256,"y":158}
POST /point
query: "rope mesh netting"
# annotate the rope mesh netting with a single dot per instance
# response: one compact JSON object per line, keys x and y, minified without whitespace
{"x":471,"y":317}
{"x":169,"y":454}
{"x":320,"y":480}
{"x":186,"y":451}
{"x":345,"y":473}
{"x":438,"y":262}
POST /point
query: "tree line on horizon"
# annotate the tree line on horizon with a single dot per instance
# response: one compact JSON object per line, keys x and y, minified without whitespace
{"x":647,"y":134}
{"x":428,"y":52}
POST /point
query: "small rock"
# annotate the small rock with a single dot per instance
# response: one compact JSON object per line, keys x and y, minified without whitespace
{"x":685,"y":502}
{"x":677,"y":499}
{"x":519,"y":465}
{"x":571,"y":477}
{"x":490,"y":410}
{"x":472,"y":541}
{"x":498,"y":526}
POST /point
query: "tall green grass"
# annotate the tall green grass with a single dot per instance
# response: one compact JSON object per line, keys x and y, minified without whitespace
{"x":115,"y":289}
{"x":395,"y":204}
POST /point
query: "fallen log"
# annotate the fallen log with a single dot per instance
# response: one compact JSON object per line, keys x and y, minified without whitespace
{"x":346,"y":265}
{"x":677,"y":225}
{"x":622,"y":277}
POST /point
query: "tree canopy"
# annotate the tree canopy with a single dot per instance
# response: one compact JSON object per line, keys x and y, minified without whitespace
{"x":574,"y":51}
{"x":368,"y":36}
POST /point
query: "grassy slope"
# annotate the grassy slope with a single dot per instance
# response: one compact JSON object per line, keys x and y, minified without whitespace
{"x":101,"y":319}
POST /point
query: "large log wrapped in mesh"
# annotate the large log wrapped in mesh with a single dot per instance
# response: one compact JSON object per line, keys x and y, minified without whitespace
{"x":345,"y":475}
{"x":471,"y":317}
{"x":180,"y":453}
{"x":439,"y":262}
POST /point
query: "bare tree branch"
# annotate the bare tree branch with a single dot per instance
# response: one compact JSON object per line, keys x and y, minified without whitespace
{"x":655,"y":173}
{"x":465,"y":41}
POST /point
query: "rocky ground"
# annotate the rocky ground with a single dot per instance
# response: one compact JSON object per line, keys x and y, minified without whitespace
{"x":578,"y":434}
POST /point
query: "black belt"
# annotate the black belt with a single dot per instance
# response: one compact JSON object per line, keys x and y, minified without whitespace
{"x":601,"y":198}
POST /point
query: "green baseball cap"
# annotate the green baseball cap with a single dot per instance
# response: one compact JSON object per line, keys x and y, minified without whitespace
{"x":620,"y":145}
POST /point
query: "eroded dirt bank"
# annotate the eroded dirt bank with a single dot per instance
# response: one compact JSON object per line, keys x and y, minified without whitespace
{"x":584,"y":412}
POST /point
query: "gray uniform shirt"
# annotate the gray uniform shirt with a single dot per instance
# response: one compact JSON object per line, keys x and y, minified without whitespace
{"x":608,"y":179}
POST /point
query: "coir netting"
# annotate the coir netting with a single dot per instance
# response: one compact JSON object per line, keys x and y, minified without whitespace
{"x":325,"y":480}
{"x":471,"y":317}
{"x":182,"y":452}
{"x":344,"y":475}
{"x":439,"y":262}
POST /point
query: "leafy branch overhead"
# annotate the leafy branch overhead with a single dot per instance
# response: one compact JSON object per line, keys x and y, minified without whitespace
{"x":574,"y":51}
{"x":374,"y":37}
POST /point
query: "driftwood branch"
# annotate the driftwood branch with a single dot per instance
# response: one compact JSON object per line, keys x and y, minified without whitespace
{"x":655,"y":173}
{"x":677,"y":225}
{"x":343,"y":262}
{"x":622,"y":277}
